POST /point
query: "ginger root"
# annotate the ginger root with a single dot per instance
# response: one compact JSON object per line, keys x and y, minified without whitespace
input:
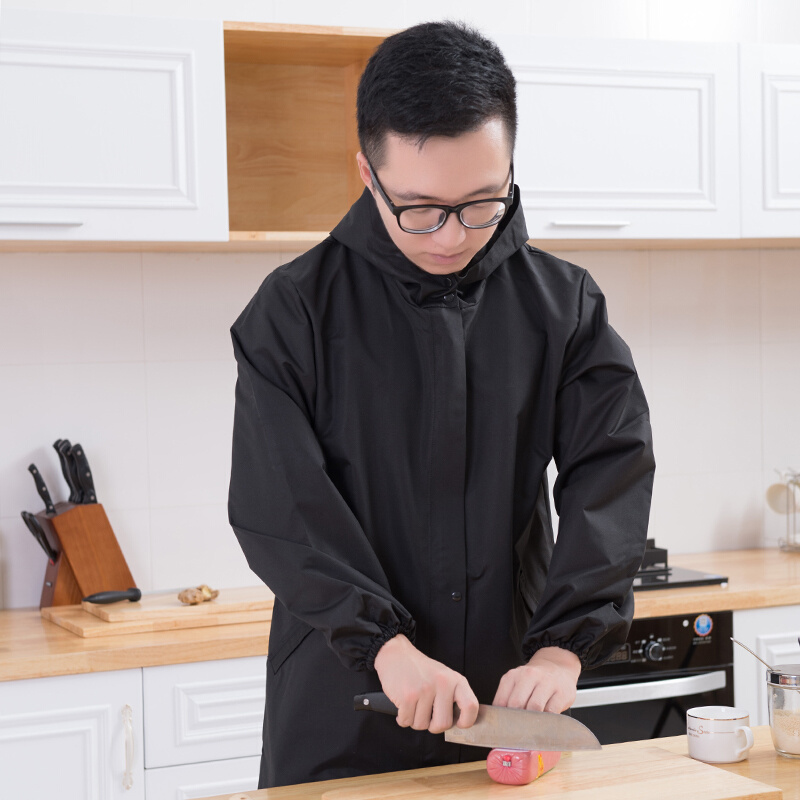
{"x":197,"y":594}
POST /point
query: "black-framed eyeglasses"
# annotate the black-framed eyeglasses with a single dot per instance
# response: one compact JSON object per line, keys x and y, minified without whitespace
{"x":429,"y":218}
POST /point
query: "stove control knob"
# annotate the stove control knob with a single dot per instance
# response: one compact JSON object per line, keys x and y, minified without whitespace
{"x":654,"y":651}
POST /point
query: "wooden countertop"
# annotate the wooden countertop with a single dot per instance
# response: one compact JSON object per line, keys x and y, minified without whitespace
{"x":756,"y":579}
{"x":658,"y":769}
{"x":32,"y":648}
{"x":762,"y":764}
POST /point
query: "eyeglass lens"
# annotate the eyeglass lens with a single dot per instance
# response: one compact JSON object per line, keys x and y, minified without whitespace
{"x":475,"y":215}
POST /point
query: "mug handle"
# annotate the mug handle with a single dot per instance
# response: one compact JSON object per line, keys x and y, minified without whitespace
{"x":749,"y":740}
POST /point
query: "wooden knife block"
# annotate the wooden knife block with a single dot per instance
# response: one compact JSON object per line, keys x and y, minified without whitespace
{"x":89,"y":557}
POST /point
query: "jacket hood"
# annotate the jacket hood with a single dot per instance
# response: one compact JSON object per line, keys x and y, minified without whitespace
{"x":362,"y":230}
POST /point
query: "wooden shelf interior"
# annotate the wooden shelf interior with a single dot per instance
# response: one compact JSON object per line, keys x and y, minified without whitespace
{"x":292,"y":140}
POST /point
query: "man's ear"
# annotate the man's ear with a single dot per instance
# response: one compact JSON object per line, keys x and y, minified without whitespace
{"x":363,"y":170}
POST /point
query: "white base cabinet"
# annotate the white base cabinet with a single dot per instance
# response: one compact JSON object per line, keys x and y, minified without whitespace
{"x":160,"y":733}
{"x":188,"y":782}
{"x":772,"y":633}
{"x":76,"y":737}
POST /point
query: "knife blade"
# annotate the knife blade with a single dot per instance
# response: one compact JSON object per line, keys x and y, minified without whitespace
{"x":84,"y":473}
{"x":62,"y":447}
{"x":497,"y":726}
{"x":36,"y":529}
{"x":41,"y":488}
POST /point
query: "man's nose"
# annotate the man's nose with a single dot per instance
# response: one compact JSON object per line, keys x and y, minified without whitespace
{"x":451,"y":234}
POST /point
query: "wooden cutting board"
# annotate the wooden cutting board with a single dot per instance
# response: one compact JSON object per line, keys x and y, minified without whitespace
{"x":649,"y":773}
{"x":163,"y":611}
{"x":612,"y":773}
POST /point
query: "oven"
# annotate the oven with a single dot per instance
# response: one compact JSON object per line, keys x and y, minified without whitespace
{"x":667,"y":665}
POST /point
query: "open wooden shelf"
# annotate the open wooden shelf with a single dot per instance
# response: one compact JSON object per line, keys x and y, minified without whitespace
{"x":291,"y":122}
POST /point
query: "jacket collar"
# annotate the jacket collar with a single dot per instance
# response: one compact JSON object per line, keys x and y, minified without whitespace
{"x":363,"y":231}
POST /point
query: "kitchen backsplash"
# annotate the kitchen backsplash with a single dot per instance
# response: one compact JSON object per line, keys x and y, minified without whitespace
{"x":129,"y":354}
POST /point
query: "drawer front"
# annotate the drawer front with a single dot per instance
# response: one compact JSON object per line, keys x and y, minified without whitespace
{"x":207,"y":711}
{"x":191,"y":781}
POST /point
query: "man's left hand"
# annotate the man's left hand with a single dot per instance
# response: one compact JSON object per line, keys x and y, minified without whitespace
{"x":546,"y":683}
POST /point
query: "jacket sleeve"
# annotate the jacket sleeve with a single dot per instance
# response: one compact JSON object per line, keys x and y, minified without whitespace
{"x":297,"y":533}
{"x":604,"y":455}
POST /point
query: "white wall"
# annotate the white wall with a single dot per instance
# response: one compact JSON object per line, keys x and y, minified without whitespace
{"x":130,"y":354}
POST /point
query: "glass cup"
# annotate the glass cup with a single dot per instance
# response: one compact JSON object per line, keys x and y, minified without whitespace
{"x":783,"y":692}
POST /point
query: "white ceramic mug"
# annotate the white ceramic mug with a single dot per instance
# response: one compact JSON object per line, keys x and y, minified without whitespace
{"x":718,"y":734}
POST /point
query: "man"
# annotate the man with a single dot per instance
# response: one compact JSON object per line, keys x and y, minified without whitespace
{"x":402,"y":388}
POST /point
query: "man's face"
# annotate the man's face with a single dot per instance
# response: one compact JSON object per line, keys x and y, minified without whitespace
{"x":445,"y":170}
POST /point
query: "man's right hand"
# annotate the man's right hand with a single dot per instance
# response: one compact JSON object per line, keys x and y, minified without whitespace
{"x":423,"y":690}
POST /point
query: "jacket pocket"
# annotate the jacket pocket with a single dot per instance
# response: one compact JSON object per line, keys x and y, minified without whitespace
{"x":292,"y":636}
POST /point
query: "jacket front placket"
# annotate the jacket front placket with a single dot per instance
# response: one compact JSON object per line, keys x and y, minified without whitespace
{"x":447,"y":480}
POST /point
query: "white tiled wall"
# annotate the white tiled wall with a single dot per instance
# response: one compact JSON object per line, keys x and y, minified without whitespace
{"x":130,"y":353}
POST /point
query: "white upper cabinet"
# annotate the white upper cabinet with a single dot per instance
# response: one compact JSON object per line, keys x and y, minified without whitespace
{"x":111,"y":128}
{"x":770,"y":94}
{"x":624,"y":139}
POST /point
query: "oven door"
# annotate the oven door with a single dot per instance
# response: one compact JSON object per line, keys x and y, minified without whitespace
{"x":625,"y":711}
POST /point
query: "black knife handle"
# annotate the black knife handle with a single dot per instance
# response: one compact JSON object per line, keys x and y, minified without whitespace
{"x":64,"y":461}
{"x":41,"y":488}
{"x":36,"y":529}
{"x":114,"y":596}
{"x":84,"y":473}
{"x":374,"y":701}
{"x":76,"y":495}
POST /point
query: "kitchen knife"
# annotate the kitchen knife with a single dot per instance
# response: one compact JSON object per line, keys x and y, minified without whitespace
{"x":65,"y":447}
{"x":497,"y":726}
{"x":62,"y":447}
{"x":84,"y":473}
{"x":114,"y":596}
{"x":36,"y":529}
{"x":42,"y":488}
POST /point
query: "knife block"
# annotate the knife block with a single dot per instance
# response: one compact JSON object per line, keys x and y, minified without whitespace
{"x":89,"y":556}
{"x":60,"y":587}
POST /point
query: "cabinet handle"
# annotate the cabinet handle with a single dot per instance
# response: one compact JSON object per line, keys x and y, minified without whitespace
{"x":63,"y":223}
{"x":606,"y":223}
{"x":127,"y":717}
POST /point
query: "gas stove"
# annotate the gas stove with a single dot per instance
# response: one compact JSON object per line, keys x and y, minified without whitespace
{"x":655,"y":573}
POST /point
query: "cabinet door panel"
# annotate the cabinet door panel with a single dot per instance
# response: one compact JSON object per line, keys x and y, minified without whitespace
{"x":112,"y":128}
{"x":626,"y":139}
{"x":66,"y":737}
{"x":772,"y":633}
{"x":205,"y":711}
{"x":190,"y":781}
{"x":770,"y":92}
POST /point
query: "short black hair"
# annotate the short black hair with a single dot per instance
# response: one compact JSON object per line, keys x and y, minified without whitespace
{"x":433,"y":79}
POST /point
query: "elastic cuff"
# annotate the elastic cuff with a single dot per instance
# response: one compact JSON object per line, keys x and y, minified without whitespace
{"x":408,"y":629}
{"x":564,"y":644}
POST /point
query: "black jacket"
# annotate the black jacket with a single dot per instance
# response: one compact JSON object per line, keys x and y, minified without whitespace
{"x":391,"y":435}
